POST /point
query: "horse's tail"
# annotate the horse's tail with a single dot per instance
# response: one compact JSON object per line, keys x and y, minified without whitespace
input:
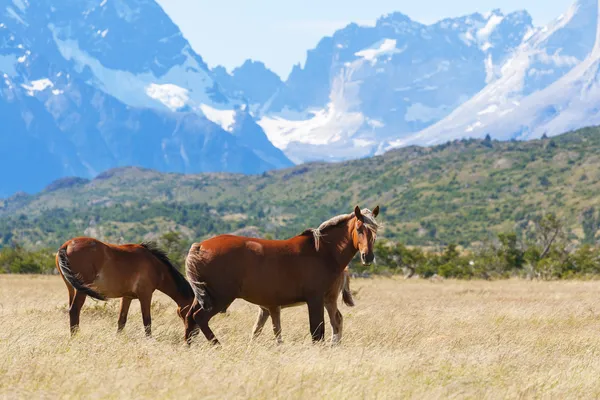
{"x":62,"y":263}
{"x":346,"y":293}
{"x":200,"y":288}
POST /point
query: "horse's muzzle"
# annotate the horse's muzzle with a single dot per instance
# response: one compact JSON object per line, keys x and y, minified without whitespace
{"x":367,"y":259}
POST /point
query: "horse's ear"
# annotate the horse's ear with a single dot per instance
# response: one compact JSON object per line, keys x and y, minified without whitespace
{"x":376,"y":211}
{"x":357,"y":213}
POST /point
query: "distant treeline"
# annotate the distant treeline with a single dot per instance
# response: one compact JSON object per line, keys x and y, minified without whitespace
{"x":544,"y":251}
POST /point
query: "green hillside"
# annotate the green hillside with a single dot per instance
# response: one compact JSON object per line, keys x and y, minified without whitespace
{"x":460,"y":192}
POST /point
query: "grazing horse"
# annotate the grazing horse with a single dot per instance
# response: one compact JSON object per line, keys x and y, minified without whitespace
{"x":275,"y":312}
{"x":304,"y":269}
{"x":92,"y":268}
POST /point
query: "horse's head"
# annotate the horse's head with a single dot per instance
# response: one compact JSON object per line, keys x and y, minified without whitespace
{"x":365,"y":233}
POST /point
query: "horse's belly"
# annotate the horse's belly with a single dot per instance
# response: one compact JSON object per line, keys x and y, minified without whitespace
{"x":273,"y":300}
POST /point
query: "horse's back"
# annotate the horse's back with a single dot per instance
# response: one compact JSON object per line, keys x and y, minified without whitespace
{"x":245,"y":250}
{"x":265,"y":272}
{"x":116,"y":270}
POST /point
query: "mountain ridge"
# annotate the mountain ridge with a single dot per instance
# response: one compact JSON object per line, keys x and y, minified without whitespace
{"x":463,"y":192}
{"x":89,"y":85}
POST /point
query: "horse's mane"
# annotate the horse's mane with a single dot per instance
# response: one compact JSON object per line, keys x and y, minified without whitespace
{"x":182,"y":285}
{"x":368,"y":220}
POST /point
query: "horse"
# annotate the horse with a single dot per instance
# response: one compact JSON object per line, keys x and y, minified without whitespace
{"x":275,"y":312}
{"x":306,"y":268}
{"x":100,"y":270}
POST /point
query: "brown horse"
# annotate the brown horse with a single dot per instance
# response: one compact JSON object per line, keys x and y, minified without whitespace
{"x":275,"y":312}
{"x":304,"y":269}
{"x":131,"y":271}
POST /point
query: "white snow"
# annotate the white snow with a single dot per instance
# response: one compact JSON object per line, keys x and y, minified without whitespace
{"x":145,"y":89}
{"x":532,"y":92}
{"x":37,"y":86}
{"x":486,"y":46}
{"x":484,"y":33}
{"x":56,"y":92}
{"x":102,"y":33}
{"x":385,"y":47}
{"x":23,"y":58}
{"x":172,"y":96}
{"x":326,"y":125}
{"x":471,"y":128}
{"x":491,"y":109}
{"x":103,"y":3}
{"x":363,"y":143}
{"x":224,"y":118}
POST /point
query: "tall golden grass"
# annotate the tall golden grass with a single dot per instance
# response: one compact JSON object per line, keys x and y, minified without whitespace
{"x":404,"y":339}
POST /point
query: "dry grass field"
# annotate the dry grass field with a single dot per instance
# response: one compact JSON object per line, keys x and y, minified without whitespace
{"x":404,"y":339}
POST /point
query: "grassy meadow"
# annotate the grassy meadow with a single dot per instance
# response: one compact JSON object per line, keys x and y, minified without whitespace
{"x":404,"y":339}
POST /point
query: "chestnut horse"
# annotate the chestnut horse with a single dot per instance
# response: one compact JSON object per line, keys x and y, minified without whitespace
{"x":275,"y":312}
{"x":304,"y":269}
{"x":92,"y":268}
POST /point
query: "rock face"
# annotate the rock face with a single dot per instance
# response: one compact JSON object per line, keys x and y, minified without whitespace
{"x":91,"y":85}
{"x":366,"y":86}
{"x":368,"y":89}
{"x":548,"y":86}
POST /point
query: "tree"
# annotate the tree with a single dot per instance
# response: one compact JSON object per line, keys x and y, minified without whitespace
{"x":590,"y":223}
{"x":175,"y":246}
{"x":487,"y":142}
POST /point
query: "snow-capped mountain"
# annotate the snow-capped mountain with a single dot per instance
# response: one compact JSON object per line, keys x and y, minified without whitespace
{"x":548,"y":86}
{"x":88,"y":85}
{"x":366,"y":86}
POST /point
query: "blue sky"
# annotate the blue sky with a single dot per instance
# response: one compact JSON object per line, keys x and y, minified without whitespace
{"x":278,"y":32}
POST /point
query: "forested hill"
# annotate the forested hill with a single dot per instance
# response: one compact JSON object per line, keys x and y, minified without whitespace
{"x":460,"y":192}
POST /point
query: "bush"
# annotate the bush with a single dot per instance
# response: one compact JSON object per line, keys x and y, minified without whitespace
{"x":17,"y":260}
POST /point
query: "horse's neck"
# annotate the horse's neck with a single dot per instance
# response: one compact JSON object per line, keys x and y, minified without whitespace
{"x":168,"y":287}
{"x":340,"y":244}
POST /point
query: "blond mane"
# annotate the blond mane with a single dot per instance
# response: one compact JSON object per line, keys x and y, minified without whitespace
{"x":368,"y":220}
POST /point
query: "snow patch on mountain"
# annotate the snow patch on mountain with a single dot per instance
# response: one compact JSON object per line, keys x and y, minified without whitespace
{"x":323,"y":127}
{"x":385,"y":47}
{"x":37,"y":86}
{"x":144,"y":89}
{"x":172,"y":96}
{"x":540,"y":72}
{"x":223,"y":118}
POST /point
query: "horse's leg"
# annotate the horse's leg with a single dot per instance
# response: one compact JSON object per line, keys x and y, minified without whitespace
{"x":336,"y":319}
{"x":316,"y":318}
{"x":261,"y":319}
{"x":75,"y":310}
{"x":145,"y":303}
{"x":276,"y":320}
{"x":202,"y":317}
{"x":191,"y":328}
{"x":125,"y":303}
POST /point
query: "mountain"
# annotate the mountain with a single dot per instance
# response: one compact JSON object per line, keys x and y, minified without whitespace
{"x":463,"y":192}
{"x":548,"y":86}
{"x":91,"y":85}
{"x":252,"y":80}
{"x":365,"y":86}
